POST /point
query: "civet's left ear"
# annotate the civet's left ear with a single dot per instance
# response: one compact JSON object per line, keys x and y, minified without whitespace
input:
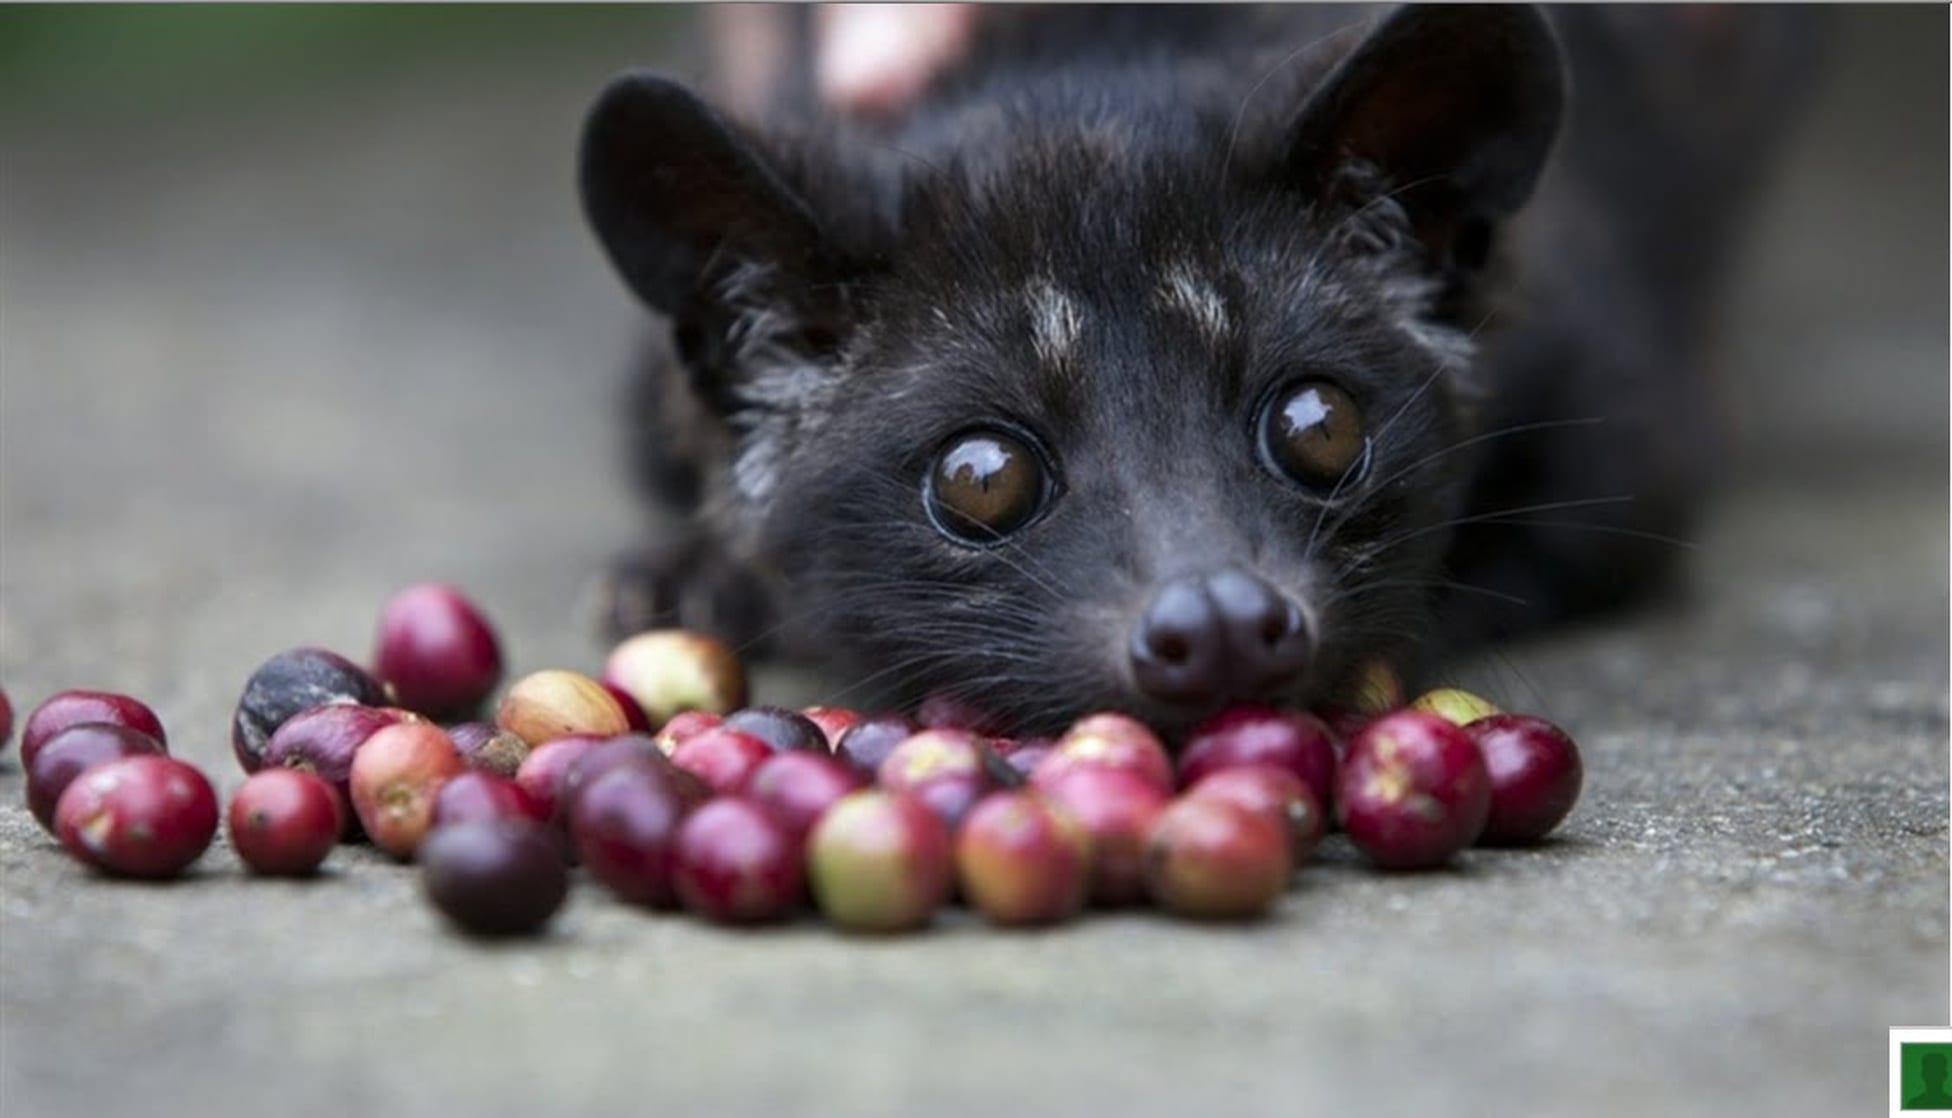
{"x":1456,"y":108}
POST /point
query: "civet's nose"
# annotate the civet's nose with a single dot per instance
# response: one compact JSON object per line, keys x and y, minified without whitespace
{"x":1218,"y":636}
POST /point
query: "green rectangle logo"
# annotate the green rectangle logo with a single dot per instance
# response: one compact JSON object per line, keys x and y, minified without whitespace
{"x":1926,"y":1077}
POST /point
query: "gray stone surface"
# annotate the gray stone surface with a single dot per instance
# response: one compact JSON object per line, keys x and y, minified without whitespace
{"x":262,"y":365}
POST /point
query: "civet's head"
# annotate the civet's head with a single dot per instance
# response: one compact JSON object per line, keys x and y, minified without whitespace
{"x":1147,"y":407}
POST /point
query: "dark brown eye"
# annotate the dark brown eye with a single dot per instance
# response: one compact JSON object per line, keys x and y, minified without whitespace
{"x":985,"y":485}
{"x":1312,"y":432}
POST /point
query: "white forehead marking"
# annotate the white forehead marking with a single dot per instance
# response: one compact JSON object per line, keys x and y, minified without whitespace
{"x":1183,"y":290}
{"x":1056,"y":324}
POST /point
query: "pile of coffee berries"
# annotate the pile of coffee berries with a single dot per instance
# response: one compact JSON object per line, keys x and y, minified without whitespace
{"x":664,"y":787}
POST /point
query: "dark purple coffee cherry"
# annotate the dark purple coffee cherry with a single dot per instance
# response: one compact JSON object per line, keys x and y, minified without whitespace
{"x":294,"y":681}
{"x":779,"y":728}
{"x":494,"y":877}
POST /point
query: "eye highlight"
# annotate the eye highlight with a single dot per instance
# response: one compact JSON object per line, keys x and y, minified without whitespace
{"x":1312,"y":433}
{"x":984,"y":485}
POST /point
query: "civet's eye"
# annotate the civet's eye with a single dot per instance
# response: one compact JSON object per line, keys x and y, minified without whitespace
{"x":1312,"y":432}
{"x":985,"y":485}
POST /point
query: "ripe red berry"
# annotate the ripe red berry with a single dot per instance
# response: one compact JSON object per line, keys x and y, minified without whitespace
{"x":943,"y":769}
{"x":73,"y":708}
{"x":634,"y":717}
{"x":722,"y":757}
{"x":72,"y":752}
{"x":683,"y":725}
{"x":325,"y":739}
{"x":833,"y":722}
{"x":737,"y":864}
{"x":1413,"y":791}
{"x":436,"y":650}
{"x":542,"y":772}
{"x":798,"y":787}
{"x":6,"y":719}
{"x":879,"y":862}
{"x":1110,"y":741}
{"x":1256,"y":735}
{"x":1278,"y":794}
{"x":144,"y":816}
{"x":494,"y":877}
{"x":288,"y":684}
{"x":1117,"y":809}
{"x":477,"y":795}
{"x":396,"y":776}
{"x":1023,"y":860}
{"x":624,"y":825}
{"x":1535,"y":776}
{"x":285,"y":821}
{"x":1212,"y":859}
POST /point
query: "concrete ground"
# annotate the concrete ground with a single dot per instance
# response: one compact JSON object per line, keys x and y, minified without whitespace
{"x":262,"y":365}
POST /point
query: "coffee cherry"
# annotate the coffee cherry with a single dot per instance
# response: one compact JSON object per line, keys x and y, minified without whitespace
{"x":1023,"y":860}
{"x":1535,"y":776}
{"x":1257,"y":735}
{"x":1026,"y":758}
{"x":671,"y":670}
{"x":833,"y":722}
{"x":1378,"y":688}
{"x":1110,"y":741}
{"x":1454,"y":706}
{"x":879,"y":862}
{"x":284,"y":822}
{"x":555,"y":704}
{"x":634,"y":716}
{"x":436,"y":650}
{"x":1413,"y":791}
{"x":73,"y":708}
{"x":624,"y":826}
{"x":66,"y":755}
{"x":324,"y":740}
{"x":486,"y":747}
{"x":1117,"y":809}
{"x":867,"y":744}
{"x":6,"y":720}
{"x":737,"y":864}
{"x":625,"y":749}
{"x":1212,"y":859}
{"x":798,"y":787}
{"x":494,"y":877}
{"x":396,"y":776}
{"x":723,"y":757}
{"x":779,"y":728}
{"x":542,"y":772}
{"x":1276,"y":793}
{"x":471,"y":796}
{"x":683,"y":725}
{"x":944,"y":769}
{"x":144,"y":816}
{"x":288,"y":684}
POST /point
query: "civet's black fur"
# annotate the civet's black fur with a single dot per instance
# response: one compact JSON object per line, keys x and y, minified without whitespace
{"x":1116,"y":232}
